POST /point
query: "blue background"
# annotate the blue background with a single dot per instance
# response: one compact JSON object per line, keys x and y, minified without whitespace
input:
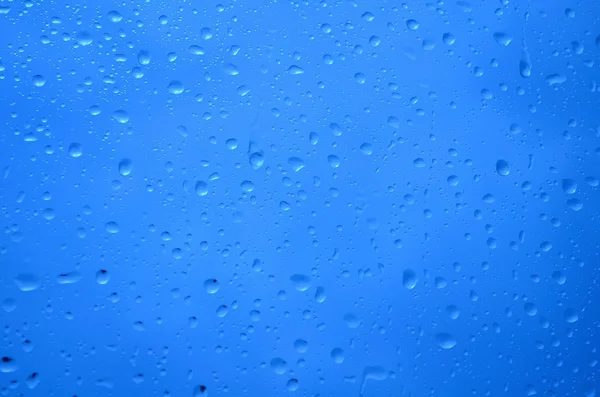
{"x":385,"y":181}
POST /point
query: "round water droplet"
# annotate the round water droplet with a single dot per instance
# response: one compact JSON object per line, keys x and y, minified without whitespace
{"x":27,"y":282}
{"x":75,"y":150}
{"x":502,"y":38}
{"x":222,"y":311}
{"x":411,"y":24}
{"x":502,"y":168}
{"x":114,"y":16}
{"x":301,"y":345}
{"x":409,"y":279}
{"x":292,"y":384}
{"x":38,"y":80}
{"x":120,"y":116}
{"x":8,"y":365}
{"x":530,"y":309}
{"x":296,"y":162}
{"x":445,"y":340}
{"x":231,"y":69}
{"x":176,"y":87}
{"x":351,"y":320}
{"x":569,"y":186}
{"x":279,"y":366}
{"x":575,"y":204}
{"x":9,"y":305}
{"x":112,"y":227}
{"x":211,"y":286}
{"x":102,"y":276}
{"x":337,"y":355}
{"x":360,"y":78}
{"x":559,"y":277}
{"x":453,"y":312}
{"x":144,"y":57}
{"x":257,"y":160}
{"x":452,"y":180}
{"x":448,"y":38}
{"x":366,"y":148}
{"x":301,"y":282}
{"x":201,"y":188}
{"x":333,"y":160}
{"x":125,"y":167}
{"x":84,"y":38}
{"x":571,"y":316}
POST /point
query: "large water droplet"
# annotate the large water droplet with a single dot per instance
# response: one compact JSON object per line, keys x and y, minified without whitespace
{"x":409,"y":279}
{"x":502,"y":167}
{"x":445,"y":340}
{"x":301,"y":282}
{"x":125,"y":166}
{"x":27,"y":282}
{"x":279,"y":366}
{"x":211,"y":286}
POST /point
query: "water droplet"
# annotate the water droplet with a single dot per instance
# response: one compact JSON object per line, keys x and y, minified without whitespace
{"x":75,"y":150}
{"x":409,"y":279}
{"x":530,"y":309}
{"x":68,"y":278}
{"x":296,"y":162}
{"x":27,"y":282}
{"x":571,"y":316}
{"x":211,"y":286}
{"x":8,"y":365}
{"x":112,"y":227}
{"x":144,"y":57}
{"x":503,"y":38}
{"x":502,"y":167}
{"x":243,"y":90}
{"x":102,"y":276}
{"x":292,"y":384}
{"x":301,"y":282}
{"x":559,"y":277}
{"x":556,"y":78}
{"x":445,"y":340}
{"x":9,"y":305}
{"x":38,"y":80}
{"x":114,"y":16}
{"x":337,"y":355}
{"x":231,"y":69}
{"x":222,"y":311}
{"x":367,"y":16}
{"x":295,"y":70}
{"x":279,"y":366}
{"x":200,"y":391}
{"x":84,"y":38}
{"x":120,"y":116}
{"x":360,"y":78}
{"x":201,"y":188}
{"x":453,"y":312}
{"x":333,"y":160}
{"x":452,"y":180}
{"x":411,"y":24}
{"x":320,"y":295}
{"x":366,"y":148}
{"x":301,"y":345}
{"x":176,"y":87}
{"x":125,"y":167}
{"x":448,"y":39}
{"x":575,"y":204}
